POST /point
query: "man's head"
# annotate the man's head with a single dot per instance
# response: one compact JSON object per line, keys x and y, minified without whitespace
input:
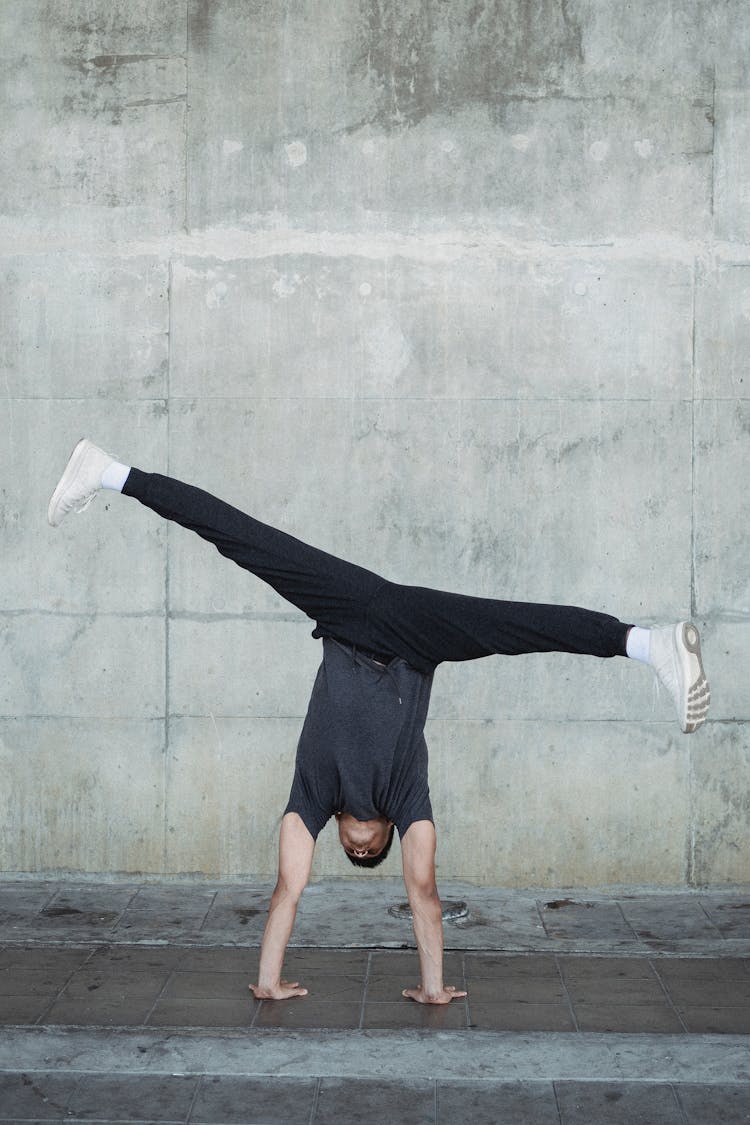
{"x":366,"y":842}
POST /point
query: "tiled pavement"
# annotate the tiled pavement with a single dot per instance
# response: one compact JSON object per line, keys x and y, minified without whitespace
{"x":121,"y":1002}
{"x":173,"y":987}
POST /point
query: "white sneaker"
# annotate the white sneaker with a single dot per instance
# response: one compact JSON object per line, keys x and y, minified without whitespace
{"x":676,"y":659}
{"x":80,"y":482}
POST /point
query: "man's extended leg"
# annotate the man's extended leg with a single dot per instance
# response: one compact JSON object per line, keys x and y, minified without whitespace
{"x":436,"y":626}
{"x":332,"y":592}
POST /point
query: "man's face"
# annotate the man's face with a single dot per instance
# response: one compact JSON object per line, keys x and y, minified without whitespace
{"x":363,"y":839}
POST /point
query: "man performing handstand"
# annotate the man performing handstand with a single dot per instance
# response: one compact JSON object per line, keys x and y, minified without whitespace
{"x":362,"y":756}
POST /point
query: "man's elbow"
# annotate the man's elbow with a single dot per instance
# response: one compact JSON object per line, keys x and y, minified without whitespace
{"x":288,"y":890}
{"x":423,"y":891}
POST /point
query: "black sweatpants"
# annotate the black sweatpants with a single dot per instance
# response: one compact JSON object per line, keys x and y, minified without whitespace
{"x":358,"y":607}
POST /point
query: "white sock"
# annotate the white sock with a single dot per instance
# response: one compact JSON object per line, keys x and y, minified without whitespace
{"x":638,"y":644}
{"x":115,"y":475}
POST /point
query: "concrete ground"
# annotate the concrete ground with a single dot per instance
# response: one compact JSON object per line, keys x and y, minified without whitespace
{"x":129,"y":1002}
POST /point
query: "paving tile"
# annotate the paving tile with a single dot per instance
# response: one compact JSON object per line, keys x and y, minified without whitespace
{"x":166,"y":909}
{"x":585,"y":969}
{"x":634,"y":990}
{"x":37,"y":1095}
{"x":407,"y":1014}
{"x":247,"y":1101}
{"x":220,"y":961}
{"x":206,"y":985}
{"x":373,"y":1102}
{"x":521,"y":1017}
{"x":493,"y":1103}
{"x":99,"y":1013}
{"x":715,"y":1105}
{"x":678,"y":919}
{"x":23,"y":1009}
{"x":399,"y":963}
{"x":617,"y":1103}
{"x":326,"y":960}
{"x":22,"y":899}
{"x":93,"y":902}
{"x":44,"y":958}
{"x":135,"y":958}
{"x":627,"y":1018}
{"x":494,"y":966}
{"x":237,"y":1012}
{"x":565,"y":918}
{"x":133,"y":1097}
{"x":711,"y":993}
{"x":32,"y":982}
{"x":325,"y":986}
{"x":732,"y":919}
{"x":712,"y":1020}
{"x":304,"y":1011}
{"x":525,"y":990}
{"x":119,"y":985}
{"x":672,"y":969}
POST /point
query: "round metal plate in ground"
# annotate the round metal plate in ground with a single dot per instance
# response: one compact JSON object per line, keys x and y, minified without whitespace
{"x":452,"y":909}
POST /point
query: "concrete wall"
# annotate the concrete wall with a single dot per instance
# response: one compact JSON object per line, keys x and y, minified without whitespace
{"x":458,"y":290}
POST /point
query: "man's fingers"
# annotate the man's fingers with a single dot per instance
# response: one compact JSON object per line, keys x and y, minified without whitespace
{"x":285,"y":991}
{"x":448,"y":993}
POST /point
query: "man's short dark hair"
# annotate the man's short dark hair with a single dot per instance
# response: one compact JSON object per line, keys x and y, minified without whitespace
{"x":373,"y":860}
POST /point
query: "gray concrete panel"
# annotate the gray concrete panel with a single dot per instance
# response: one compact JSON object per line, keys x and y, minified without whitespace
{"x":82,"y":665}
{"x":560,"y":803}
{"x":355,"y":132}
{"x":450,"y":329}
{"x":284,"y":462}
{"x":722,"y":332}
{"x":658,"y":50}
{"x":620,"y":169}
{"x":90,"y":28}
{"x":107,"y":559}
{"x":720,"y":800}
{"x":376,"y":483}
{"x":82,"y":794}
{"x":108,"y":127}
{"x":732,"y":164}
{"x":238,"y":668}
{"x":558,"y":686}
{"x":77,"y":327}
{"x":224,"y":819}
{"x":726,"y":652}
{"x":722,"y":455}
{"x":557,"y":484}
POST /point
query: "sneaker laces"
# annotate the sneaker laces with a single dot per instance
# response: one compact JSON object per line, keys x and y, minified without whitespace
{"x":84,"y":502}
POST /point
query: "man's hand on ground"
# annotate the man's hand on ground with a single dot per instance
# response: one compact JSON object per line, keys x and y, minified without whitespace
{"x":284,"y":990}
{"x":443,"y":997}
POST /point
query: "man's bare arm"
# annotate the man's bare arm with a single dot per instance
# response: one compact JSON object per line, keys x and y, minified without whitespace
{"x":296,"y":847}
{"x":418,"y":855}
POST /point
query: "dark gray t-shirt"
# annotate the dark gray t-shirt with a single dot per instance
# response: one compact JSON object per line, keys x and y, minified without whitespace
{"x":362,"y":748}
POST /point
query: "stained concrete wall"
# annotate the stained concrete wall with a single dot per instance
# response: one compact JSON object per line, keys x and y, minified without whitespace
{"x":458,"y":290}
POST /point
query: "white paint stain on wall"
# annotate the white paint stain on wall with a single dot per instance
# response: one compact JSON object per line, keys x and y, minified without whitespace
{"x":216,"y":294}
{"x":287,"y":284}
{"x":644,"y":148}
{"x":296,"y":153}
{"x":599,"y":150}
{"x":230,"y":147}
